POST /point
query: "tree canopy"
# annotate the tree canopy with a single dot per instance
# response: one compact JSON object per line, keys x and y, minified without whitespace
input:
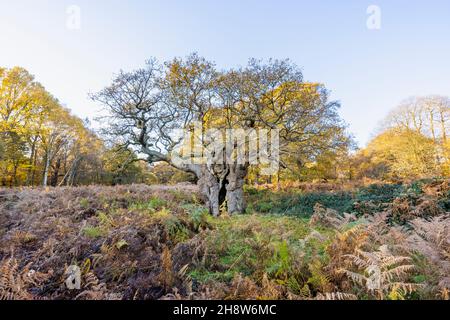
{"x":146,"y":106}
{"x":412,"y":142}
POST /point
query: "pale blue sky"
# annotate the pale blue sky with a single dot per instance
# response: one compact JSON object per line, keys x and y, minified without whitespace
{"x":369,"y":71}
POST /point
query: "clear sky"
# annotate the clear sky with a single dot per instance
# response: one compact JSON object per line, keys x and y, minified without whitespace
{"x":369,"y":71}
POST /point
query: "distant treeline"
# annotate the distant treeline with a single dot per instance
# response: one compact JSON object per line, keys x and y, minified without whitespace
{"x":42,"y":143}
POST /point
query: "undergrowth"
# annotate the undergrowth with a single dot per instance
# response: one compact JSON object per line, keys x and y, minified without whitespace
{"x":141,"y":242}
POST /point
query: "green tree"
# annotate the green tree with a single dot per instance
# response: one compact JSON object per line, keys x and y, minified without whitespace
{"x":146,"y":105}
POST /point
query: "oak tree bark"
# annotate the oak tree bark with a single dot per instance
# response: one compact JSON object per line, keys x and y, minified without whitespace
{"x":221,"y":187}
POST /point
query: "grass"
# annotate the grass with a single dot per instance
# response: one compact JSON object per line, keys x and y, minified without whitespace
{"x":84,"y":203}
{"x":135,"y":234}
{"x":151,"y":205}
{"x":252,"y":245}
{"x":281,"y":245}
{"x":199,"y":216}
{"x":267,"y":250}
{"x":93,"y":232}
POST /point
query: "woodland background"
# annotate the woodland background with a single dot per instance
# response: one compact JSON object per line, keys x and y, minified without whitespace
{"x":337,"y":222}
{"x":43,"y":144}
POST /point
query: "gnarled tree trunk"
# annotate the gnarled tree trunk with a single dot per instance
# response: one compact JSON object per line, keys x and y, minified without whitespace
{"x":221,"y":187}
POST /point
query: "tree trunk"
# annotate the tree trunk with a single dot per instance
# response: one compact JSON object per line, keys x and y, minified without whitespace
{"x":73,"y":172}
{"x":55,"y":173}
{"x":443,"y":128}
{"x":33,"y":171}
{"x":235,"y":189}
{"x":221,"y":187}
{"x":46,"y":168}
{"x":209,"y":186}
{"x":31,"y":163}
{"x":14,"y":175}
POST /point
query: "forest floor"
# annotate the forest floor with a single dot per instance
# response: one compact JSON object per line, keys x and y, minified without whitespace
{"x":385,"y":241}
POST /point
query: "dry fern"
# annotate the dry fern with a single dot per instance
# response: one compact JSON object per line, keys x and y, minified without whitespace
{"x":345,"y":243}
{"x":166,"y":277}
{"x":242,"y":288}
{"x":93,"y":289}
{"x":381,"y":273}
{"x":269,"y":289}
{"x":336,"y":296}
{"x":329,"y":217}
{"x":15,"y":283}
{"x":431,"y":238}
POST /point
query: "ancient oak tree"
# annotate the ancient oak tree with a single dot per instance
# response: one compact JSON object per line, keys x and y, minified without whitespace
{"x":146,"y":107}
